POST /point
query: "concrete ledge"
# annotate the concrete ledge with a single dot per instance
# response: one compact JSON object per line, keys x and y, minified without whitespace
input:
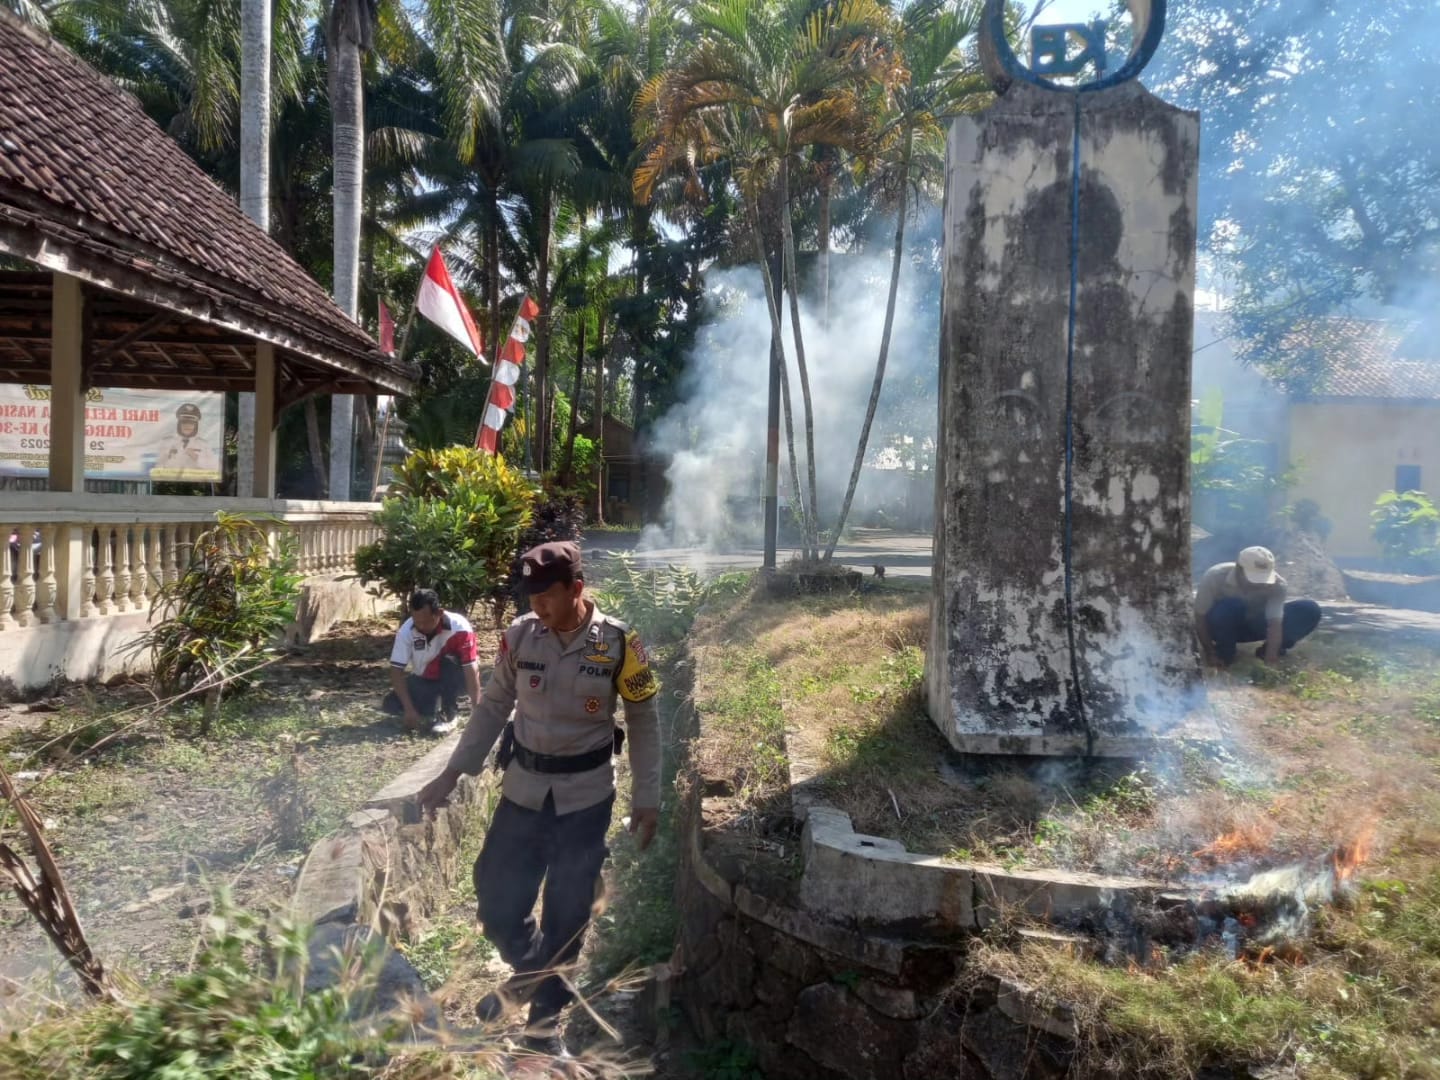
{"x":327,"y":601}
{"x":874,"y":881}
{"x":72,"y":650}
{"x":400,"y":797}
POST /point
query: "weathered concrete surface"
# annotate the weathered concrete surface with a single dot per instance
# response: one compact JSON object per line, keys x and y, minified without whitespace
{"x":74,"y":650}
{"x":1018,"y":663}
{"x":325,"y":602}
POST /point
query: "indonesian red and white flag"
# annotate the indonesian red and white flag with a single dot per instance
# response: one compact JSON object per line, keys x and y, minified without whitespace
{"x":507,"y":373}
{"x":440,"y":302}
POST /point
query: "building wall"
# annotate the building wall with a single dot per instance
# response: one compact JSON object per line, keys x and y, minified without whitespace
{"x":1346,"y":453}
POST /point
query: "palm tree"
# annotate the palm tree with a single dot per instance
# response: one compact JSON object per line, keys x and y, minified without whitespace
{"x":350,"y":32}
{"x":255,"y":37}
{"x":796,"y":74}
{"x":941,"y":82}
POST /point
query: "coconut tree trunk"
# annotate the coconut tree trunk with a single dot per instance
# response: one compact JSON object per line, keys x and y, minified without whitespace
{"x":542,"y":339}
{"x":312,"y":438}
{"x":492,"y":267}
{"x":568,"y":469}
{"x":777,"y":338}
{"x":895,"y":262}
{"x":823,"y":269}
{"x":348,"y":118}
{"x":792,"y":286}
{"x":599,"y":467}
{"x":254,"y":184}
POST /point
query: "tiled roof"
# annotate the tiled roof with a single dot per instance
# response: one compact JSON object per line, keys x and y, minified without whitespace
{"x":85,"y":173}
{"x":1369,"y":359}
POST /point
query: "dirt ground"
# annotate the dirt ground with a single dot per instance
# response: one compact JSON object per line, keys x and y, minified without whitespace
{"x":151,"y":824}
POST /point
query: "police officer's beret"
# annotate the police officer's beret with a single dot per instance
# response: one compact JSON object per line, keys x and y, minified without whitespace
{"x":550,"y":564}
{"x":188,"y":411}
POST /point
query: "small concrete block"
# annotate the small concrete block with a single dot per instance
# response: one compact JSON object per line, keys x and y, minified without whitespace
{"x":400,"y":795}
{"x":900,"y":1004}
{"x":1023,"y":1004}
{"x":713,"y":881}
{"x":331,"y":885}
{"x":366,"y":819}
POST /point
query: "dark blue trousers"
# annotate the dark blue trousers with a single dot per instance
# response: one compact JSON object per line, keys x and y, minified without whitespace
{"x":523,"y":848}
{"x":1230,"y":623}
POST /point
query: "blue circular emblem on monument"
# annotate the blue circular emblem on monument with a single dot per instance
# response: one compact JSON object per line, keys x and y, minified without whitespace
{"x":1066,"y":50}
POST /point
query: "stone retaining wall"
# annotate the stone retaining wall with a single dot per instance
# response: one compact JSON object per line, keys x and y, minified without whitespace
{"x":818,"y":1000}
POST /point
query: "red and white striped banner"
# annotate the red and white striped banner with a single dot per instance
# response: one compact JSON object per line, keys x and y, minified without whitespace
{"x":507,"y":374}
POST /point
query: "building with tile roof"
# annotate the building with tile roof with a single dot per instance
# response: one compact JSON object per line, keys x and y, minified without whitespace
{"x":178,"y":289}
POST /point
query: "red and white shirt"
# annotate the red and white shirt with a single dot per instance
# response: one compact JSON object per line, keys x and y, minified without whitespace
{"x":422,"y":655}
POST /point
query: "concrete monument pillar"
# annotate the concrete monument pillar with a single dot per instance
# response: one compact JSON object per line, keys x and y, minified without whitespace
{"x":1061,"y":621}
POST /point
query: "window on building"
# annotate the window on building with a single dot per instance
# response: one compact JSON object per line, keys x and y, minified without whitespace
{"x":1407,"y":478}
{"x":619,"y":486}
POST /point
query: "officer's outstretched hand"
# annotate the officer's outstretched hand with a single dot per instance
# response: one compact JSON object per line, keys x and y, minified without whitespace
{"x":643,"y":823}
{"x":436,"y":793}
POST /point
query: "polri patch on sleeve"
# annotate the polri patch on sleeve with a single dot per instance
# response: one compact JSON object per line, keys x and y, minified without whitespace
{"x":637,"y":681}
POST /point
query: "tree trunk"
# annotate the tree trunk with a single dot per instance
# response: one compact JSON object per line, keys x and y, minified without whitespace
{"x":598,"y":468}
{"x":255,"y":39}
{"x":542,"y":341}
{"x":823,"y":268}
{"x":317,"y":452}
{"x":568,"y":469}
{"x":777,"y":338}
{"x":895,"y":263}
{"x":348,"y":118}
{"x":492,"y":269}
{"x":792,"y":286}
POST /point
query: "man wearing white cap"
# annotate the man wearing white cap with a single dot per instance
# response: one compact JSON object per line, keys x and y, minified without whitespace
{"x":1245,"y":600}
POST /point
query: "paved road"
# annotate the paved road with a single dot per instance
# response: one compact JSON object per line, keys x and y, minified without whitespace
{"x":902,"y":554}
{"x":907,"y":555}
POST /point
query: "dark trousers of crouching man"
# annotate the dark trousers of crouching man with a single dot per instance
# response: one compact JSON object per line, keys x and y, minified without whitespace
{"x":430,"y":695}
{"x":1232,"y":623}
{"x":564,"y":668}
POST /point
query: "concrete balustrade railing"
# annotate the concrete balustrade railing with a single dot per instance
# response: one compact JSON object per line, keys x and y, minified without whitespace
{"x":69,"y":557}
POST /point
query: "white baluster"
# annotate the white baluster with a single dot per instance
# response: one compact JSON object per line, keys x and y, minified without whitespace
{"x":138,"y":571}
{"x":90,"y":557}
{"x":171,"y":553}
{"x":105,"y":571}
{"x":25,"y":577}
{"x":45,"y":602}
{"x":122,"y":568}
{"x":153,"y":566}
{"x":7,"y":582}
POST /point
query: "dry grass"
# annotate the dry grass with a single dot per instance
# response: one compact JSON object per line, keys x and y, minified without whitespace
{"x":1343,"y":736}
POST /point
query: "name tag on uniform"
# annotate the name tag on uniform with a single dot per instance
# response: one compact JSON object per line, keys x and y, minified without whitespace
{"x":529,"y":665}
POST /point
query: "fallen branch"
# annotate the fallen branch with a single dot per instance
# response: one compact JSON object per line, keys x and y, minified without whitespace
{"x":47,"y":898}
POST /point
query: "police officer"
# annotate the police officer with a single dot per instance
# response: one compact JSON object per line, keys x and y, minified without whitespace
{"x":561,"y":667}
{"x":187,"y":450}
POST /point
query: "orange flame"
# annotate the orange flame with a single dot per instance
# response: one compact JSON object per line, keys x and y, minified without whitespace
{"x":1249,"y":838}
{"x":1349,"y":856}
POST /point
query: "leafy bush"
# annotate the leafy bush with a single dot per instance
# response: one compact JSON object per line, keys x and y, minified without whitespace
{"x":452,"y":521}
{"x":1407,"y":528}
{"x":661,"y":604}
{"x":224,"y":1020}
{"x":557,"y":517}
{"x":228,"y":608}
{"x":1305,"y":515}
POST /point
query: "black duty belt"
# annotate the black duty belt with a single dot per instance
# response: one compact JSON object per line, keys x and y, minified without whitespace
{"x":530,"y":761}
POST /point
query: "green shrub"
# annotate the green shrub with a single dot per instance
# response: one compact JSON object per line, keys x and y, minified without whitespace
{"x":661,"y":604}
{"x":1407,"y":528}
{"x":451,"y":521}
{"x":227,"y":609}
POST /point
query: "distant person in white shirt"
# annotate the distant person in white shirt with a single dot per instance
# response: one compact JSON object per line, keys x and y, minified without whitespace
{"x":187,"y":451}
{"x":438,"y":649}
{"x":1244,"y":601}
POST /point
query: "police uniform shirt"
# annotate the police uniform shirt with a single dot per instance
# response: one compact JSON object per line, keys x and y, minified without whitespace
{"x":564,"y":698}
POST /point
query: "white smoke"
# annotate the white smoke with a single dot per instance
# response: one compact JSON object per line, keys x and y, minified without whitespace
{"x":714,"y":439}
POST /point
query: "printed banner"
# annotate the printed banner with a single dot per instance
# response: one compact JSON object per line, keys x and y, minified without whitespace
{"x":129,"y":434}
